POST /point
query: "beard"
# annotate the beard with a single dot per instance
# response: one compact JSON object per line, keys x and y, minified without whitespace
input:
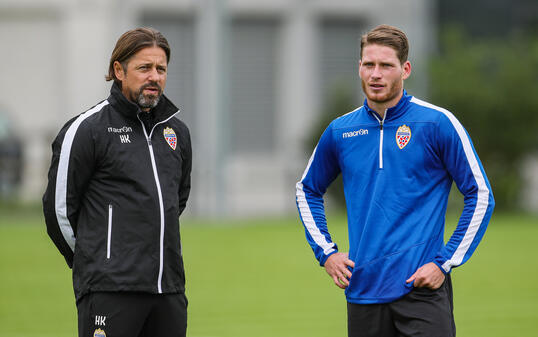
{"x":147,"y":101}
{"x":394,"y":90}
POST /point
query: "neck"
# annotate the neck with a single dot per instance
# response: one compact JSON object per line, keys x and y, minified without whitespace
{"x":382,"y":107}
{"x":379,"y":108}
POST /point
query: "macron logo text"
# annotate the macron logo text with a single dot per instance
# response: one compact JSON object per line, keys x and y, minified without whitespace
{"x":355,"y":133}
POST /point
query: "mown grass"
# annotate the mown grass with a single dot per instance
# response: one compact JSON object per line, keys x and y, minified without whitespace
{"x":259,"y":278}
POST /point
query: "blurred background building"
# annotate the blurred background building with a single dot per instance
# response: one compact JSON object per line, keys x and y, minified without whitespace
{"x":251,"y":78}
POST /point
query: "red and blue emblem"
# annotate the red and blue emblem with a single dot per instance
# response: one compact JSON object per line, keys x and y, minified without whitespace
{"x":170,"y":137}
{"x":99,"y":333}
{"x":403,"y":136}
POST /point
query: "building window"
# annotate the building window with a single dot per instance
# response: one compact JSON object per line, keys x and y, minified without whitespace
{"x":252,"y":92}
{"x":340,"y":52}
{"x":180,"y":83}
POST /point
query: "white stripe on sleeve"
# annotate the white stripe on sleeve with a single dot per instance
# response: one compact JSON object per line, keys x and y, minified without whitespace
{"x":482,"y":201}
{"x":61,"y":177}
{"x":306,"y":214}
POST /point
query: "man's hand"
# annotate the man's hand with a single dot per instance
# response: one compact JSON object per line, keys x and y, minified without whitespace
{"x":429,"y":276}
{"x":336,"y":266}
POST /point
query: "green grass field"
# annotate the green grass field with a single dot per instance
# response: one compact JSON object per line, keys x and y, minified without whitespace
{"x":259,"y":278}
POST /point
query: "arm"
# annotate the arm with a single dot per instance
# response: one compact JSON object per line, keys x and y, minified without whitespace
{"x":70,"y":170}
{"x":321,"y":170}
{"x":463,"y":164}
{"x":186,"y":167}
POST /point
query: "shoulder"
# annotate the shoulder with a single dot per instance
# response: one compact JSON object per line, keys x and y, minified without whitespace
{"x":180,"y":124}
{"x":181,"y":129}
{"x":82,"y":122}
{"x":447,"y":124}
{"x":92,"y":116}
{"x":430,"y":111}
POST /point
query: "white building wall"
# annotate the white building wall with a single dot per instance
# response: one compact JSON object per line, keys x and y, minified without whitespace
{"x":60,"y":50}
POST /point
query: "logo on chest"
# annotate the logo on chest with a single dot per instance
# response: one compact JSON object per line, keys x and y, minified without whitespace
{"x":403,"y":136}
{"x":355,"y":133}
{"x":99,"y":333}
{"x":170,"y":137}
{"x":123,"y":133}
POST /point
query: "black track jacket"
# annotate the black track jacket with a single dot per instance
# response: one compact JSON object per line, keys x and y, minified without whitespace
{"x":115,"y":193}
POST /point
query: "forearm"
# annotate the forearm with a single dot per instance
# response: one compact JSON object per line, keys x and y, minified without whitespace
{"x":312,"y":213}
{"x":471,"y":227}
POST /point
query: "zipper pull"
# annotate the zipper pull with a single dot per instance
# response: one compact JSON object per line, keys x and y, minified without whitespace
{"x":149,"y":141}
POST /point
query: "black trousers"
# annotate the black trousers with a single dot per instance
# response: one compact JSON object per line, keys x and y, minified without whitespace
{"x":132,"y":314}
{"x":421,"y":313}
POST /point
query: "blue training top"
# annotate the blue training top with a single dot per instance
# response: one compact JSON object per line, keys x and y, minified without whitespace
{"x":397,"y":174}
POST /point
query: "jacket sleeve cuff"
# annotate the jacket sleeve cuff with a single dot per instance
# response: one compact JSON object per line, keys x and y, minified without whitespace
{"x":441,"y":267}
{"x":325,"y":257}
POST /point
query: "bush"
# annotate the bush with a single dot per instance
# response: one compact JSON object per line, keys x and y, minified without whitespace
{"x":491,"y":86}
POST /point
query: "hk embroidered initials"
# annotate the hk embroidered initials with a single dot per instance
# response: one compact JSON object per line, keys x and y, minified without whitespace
{"x":100,"y":320}
{"x":125,"y":139}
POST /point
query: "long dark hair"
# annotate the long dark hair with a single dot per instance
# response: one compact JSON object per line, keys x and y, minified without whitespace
{"x":131,"y":42}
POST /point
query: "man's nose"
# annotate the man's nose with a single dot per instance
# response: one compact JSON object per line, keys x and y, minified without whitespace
{"x":377,"y":72}
{"x":153,"y":74}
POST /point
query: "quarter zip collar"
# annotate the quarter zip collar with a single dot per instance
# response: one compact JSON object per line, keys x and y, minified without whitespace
{"x":393,"y":112}
{"x":163,"y":111}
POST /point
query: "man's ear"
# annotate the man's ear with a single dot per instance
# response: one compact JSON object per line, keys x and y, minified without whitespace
{"x":118,"y":71}
{"x":406,"y":69}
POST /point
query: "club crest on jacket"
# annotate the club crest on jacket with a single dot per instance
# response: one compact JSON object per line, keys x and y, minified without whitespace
{"x":170,"y":137}
{"x":99,"y":333}
{"x":403,"y":136}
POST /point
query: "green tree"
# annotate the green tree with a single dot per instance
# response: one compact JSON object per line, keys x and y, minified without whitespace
{"x":492,"y":88}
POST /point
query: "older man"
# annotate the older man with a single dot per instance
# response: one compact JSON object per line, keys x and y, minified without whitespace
{"x":118,"y":182}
